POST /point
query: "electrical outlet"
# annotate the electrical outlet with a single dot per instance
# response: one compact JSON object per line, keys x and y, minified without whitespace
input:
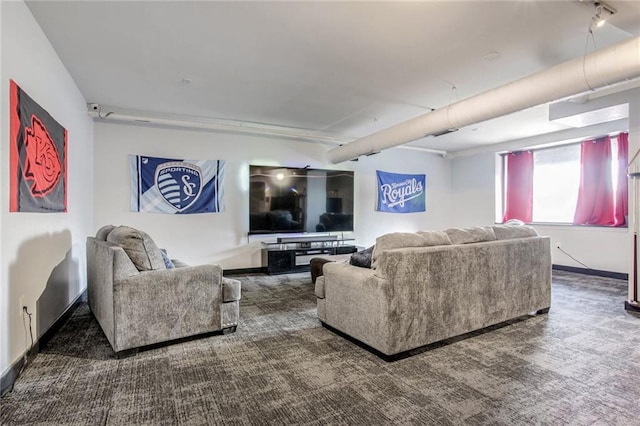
{"x":21,"y":304}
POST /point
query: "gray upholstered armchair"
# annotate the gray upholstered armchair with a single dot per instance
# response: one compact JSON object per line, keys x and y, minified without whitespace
{"x":138,"y":301}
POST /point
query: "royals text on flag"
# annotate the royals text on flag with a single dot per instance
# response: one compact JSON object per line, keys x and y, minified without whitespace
{"x":401,"y":193}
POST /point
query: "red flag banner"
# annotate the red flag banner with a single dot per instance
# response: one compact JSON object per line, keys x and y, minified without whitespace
{"x":38,"y":157}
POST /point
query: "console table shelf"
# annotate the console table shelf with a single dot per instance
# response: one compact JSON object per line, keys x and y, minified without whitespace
{"x":294,"y":254}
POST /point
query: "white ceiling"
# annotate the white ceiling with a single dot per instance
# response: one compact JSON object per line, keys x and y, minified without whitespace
{"x":344,"y":68}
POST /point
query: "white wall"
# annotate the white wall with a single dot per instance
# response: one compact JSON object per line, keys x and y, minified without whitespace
{"x":43,"y":255}
{"x":474,"y":193}
{"x":222,"y":237}
{"x":371,"y":224}
{"x":473,"y":190}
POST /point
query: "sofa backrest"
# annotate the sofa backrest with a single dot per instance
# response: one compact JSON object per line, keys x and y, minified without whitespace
{"x":397,"y":240}
{"x":445,"y":259}
{"x":507,"y":232}
{"x":476,"y":234}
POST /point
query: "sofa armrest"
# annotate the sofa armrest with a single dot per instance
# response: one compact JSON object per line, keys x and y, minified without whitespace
{"x":100,"y":284}
{"x":357,"y":303}
{"x":161,"y":305}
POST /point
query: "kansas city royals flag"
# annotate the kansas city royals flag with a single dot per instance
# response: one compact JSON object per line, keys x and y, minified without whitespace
{"x":164,"y":185}
{"x":400,"y":193}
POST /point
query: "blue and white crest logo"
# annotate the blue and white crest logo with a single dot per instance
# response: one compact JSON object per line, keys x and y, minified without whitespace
{"x":179,"y":183}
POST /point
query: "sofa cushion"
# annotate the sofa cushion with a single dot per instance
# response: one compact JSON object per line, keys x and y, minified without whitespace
{"x":139,"y":246}
{"x":362,"y":258}
{"x":395,"y":240}
{"x":230,"y":289}
{"x":435,"y":238}
{"x":104,"y":232}
{"x":507,"y":232}
{"x":476,"y":234}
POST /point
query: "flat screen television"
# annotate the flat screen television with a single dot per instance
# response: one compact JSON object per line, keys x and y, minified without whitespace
{"x":294,"y":200}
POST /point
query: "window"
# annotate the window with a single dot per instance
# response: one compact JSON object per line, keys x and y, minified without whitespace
{"x":556,"y":182}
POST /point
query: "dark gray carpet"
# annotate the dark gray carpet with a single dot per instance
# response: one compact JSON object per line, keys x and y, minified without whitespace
{"x":578,"y":365}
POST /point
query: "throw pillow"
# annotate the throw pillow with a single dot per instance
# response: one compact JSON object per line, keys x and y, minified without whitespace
{"x":362,"y":258}
{"x":104,"y":232}
{"x":507,"y":232}
{"x":395,"y":240}
{"x":165,"y":258}
{"x":476,"y":234}
{"x":139,"y":246}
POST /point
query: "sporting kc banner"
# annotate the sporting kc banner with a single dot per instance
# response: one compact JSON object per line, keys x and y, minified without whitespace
{"x":165,"y":185}
{"x":400,"y":193}
{"x":37,"y":157}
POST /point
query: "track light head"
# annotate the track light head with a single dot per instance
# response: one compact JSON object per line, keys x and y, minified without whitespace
{"x":603,"y":12}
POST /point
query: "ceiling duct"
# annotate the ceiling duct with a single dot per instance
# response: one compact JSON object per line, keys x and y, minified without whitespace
{"x":603,"y":67}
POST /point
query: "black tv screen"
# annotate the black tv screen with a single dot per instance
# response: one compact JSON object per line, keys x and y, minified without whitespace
{"x":288,"y":200}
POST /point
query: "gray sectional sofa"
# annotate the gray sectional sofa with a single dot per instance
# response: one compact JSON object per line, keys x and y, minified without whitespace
{"x":429,"y":286}
{"x":140,"y":297}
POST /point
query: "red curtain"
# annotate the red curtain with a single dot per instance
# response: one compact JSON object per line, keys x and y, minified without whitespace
{"x":595,"y":196}
{"x":519,"y":201}
{"x":622,"y":191}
